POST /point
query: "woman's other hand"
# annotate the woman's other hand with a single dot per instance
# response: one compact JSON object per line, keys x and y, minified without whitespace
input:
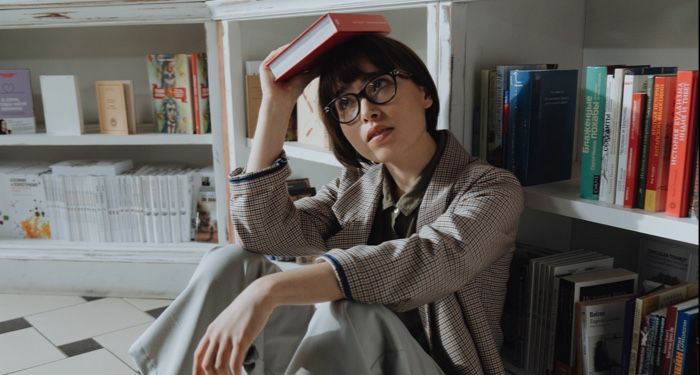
{"x":223,"y":347}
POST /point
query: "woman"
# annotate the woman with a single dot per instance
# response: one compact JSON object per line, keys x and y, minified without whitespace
{"x":414,"y":241}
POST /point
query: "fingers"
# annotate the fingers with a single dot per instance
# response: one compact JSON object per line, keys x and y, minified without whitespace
{"x":209,"y":357}
{"x":237,"y":358}
{"x":198,"y":355}
{"x":235,"y":370}
{"x":224,"y":352}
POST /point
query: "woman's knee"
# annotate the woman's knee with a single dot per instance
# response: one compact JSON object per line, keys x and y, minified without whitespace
{"x":225,"y":261}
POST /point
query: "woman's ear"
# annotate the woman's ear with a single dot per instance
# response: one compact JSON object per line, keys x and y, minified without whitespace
{"x":427,"y":98}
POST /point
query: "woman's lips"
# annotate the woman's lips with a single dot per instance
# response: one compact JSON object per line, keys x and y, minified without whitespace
{"x":379,"y":135}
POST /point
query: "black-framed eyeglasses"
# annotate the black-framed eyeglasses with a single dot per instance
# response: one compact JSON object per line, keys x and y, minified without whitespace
{"x":379,"y":89}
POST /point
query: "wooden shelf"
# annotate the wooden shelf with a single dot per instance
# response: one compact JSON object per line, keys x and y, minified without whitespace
{"x":105,"y":139}
{"x":562,"y":198}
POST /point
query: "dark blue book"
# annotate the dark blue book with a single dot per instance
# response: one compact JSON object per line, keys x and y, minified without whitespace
{"x":519,"y":117}
{"x":544,"y":134}
{"x":684,"y":337}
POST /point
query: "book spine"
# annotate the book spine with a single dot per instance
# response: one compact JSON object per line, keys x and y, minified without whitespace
{"x":484,"y":113}
{"x":634,"y":346}
{"x":644,"y":151}
{"x":593,"y":121}
{"x":627,"y":335}
{"x":632,"y":170}
{"x":696,"y":186}
{"x":565,"y":312}
{"x":607,"y":183}
{"x":659,"y":145}
{"x":496,"y":152}
{"x":658,"y":345}
{"x":683,"y":334}
{"x":669,"y":340}
{"x":519,"y":112}
{"x":644,"y":351}
{"x":623,"y":150}
{"x":195,"y":93}
{"x":683,"y":137}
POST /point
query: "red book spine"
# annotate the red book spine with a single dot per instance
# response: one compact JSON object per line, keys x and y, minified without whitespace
{"x":659,"y":143}
{"x":682,"y":142}
{"x":669,"y":339}
{"x":195,"y":93}
{"x":633,"y":156}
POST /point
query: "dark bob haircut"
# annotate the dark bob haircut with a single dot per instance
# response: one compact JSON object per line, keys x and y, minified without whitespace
{"x":340,"y":66}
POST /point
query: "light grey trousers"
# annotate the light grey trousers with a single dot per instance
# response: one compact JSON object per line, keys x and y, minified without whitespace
{"x":328,"y":338}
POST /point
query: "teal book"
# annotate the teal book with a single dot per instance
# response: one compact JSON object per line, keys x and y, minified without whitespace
{"x":593,"y":120}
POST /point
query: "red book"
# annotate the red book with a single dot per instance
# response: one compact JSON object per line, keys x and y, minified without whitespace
{"x":660,"y":143}
{"x":670,"y":333}
{"x":195,"y":93}
{"x":326,"y":32}
{"x":682,"y":144}
{"x":633,"y":156}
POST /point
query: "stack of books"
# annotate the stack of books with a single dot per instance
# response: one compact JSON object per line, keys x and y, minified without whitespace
{"x":638,"y":147}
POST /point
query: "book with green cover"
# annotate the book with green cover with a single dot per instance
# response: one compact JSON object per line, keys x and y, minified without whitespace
{"x":593,"y":120}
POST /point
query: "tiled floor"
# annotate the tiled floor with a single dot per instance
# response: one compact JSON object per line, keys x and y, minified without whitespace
{"x":61,"y":335}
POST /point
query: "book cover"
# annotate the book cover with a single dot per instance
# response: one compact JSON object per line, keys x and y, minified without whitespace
{"x":171,"y":92}
{"x":601,"y":335}
{"x":16,"y":106}
{"x":593,"y":117}
{"x":647,"y":303}
{"x":547,"y":145}
{"x":667,"y":262}
{"x":484,"y":113}
{"x":207,"y":227}
{"x":632,"y":83}
{"x":24,"y":209}
{"x":695,"y":197}
{"x":659,"y":143}
{"x":63,"y":110}
{"x":327,"y":31}
{"x":634,"y":144}
{"x":682,"y":144}
{"x":520,"y":117}
{"x":583,"y":287}
{"x":606,"y":191}
{"x":112,"y":107}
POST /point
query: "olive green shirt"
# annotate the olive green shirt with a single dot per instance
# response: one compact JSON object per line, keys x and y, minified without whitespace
{"x":396,"y":219}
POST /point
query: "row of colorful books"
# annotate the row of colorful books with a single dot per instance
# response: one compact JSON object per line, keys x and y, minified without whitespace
{"x":574,"y":313}
{"x":178,"y":89}
{"x":525,"y":121}
{"x":107,"y":201}
{"x":639,"y":128}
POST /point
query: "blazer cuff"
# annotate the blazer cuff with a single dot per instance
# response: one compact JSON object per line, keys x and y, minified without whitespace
{"x":339,"y":274}
{"x":239,"y":175}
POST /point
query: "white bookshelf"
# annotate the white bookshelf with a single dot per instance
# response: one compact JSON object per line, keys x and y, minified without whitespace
{"x":105,"y":140}
{"x":562,"y":198}
{"x":307,"y":152}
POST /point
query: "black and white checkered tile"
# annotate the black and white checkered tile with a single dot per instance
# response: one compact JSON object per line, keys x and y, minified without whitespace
{"x":67,"y":335}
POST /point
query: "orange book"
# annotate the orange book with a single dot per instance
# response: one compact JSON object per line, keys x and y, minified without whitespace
{"x":326,"y":32}
{"x":682,"y":143}
{"x":660,"y":143}
{"x":633,"y":156}
{"x":195,"y":93}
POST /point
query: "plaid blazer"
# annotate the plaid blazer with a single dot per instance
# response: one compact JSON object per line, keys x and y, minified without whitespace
{"x":454,"y":269}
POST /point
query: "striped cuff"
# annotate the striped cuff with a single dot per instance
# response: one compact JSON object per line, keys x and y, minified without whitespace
{"x":239,"y":175}
{"x":340,"y":273}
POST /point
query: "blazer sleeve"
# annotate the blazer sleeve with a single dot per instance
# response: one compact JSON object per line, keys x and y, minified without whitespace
{"x":268,"y":222}
{"x":478,"y":227}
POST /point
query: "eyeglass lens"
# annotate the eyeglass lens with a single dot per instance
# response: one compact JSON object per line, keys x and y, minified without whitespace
{"x":378,"y":90}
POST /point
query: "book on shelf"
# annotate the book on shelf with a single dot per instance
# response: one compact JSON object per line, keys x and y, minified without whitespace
{"x":200,"y":93}
{"x":253,"y":94}
{"x":684,"y":360}
{"x":63,"y":109}
{"x":683,"y":141}
{"x":115,"y":107}
{"x":666,"y":262}
{"x":659,"y":143}
{"x":16,"y":104}
{"x":327,"y":31}
{"x":646,"y":304}
{"x":669,"y":333}
{"x":85,"y":167}
{"x":633,"y":149}
{"x":498,"y":130}
{"x":599,"y":334}
{"x":23,"y":208}
{"x":484,"y":113}
{"x":593,"y":116}
{"x":583,"y":287}
{"x":695,"y":196}
{"x":543,"y":116}
{"x":170,"y":78}
{"x":310,"y":128}
{"x":207,"y":226}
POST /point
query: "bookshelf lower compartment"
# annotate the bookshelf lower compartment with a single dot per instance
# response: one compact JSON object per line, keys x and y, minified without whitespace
{"x":97,"y":269}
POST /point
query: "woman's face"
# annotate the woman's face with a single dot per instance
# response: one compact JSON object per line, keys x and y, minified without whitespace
{"x":386,"y":132}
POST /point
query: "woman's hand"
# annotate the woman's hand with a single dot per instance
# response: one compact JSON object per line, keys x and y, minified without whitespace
{"x":285,"y":92}
{"x":223,"y":348}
